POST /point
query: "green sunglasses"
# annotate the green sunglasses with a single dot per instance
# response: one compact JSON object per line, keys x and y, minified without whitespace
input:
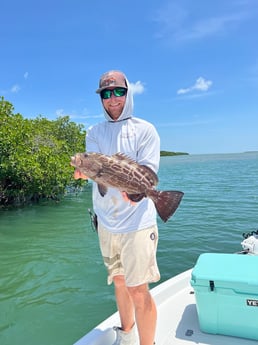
{"x":117,"y":92}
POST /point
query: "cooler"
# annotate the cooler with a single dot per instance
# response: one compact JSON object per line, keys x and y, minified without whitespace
{"x":226,"y":292}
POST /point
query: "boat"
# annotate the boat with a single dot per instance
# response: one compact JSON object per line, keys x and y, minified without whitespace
{"x":178,"y":320}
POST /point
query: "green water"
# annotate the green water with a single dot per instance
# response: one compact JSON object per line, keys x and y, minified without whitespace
{"x":52,"y":281}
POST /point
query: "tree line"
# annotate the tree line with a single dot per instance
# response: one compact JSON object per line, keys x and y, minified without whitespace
{"x":35,"y":156}
{"x":171,"y":153}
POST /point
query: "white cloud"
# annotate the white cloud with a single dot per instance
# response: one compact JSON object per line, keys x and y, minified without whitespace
{"x":15,"y":88}
{"x":137,"y":88}
{"x":178,"y":23}
{"x":211,"y":26}
{"x":84,"y":115}
{"x":187,"y":124}
{"x":170,"y":18}
{"x":95,"y":116}
{"x":200,"y":85}
{"x":60,"y":112}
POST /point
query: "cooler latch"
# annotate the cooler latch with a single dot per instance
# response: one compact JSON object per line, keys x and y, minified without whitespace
{"x":212,"y":285}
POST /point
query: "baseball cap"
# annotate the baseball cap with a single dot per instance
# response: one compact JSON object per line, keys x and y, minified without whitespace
{"x":112,"y":79}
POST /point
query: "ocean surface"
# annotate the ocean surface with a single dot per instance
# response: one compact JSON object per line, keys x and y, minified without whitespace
{"x":52,"y":281}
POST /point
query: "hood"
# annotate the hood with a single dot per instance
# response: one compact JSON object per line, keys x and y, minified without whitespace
{"x":128,"y":108}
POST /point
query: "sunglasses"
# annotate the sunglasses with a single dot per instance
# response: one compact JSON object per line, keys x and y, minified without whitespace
{"x":117,"y":92}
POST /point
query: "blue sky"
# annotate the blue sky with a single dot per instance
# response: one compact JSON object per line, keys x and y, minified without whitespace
{"x":193,"y":65}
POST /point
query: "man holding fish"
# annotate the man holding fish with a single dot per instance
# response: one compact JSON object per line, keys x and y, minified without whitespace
{"x":122,"y":159}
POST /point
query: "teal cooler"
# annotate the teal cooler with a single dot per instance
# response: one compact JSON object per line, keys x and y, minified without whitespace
{"x":226,"y":292}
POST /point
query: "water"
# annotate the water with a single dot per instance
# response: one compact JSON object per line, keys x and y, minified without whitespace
{"x":52,"y":281}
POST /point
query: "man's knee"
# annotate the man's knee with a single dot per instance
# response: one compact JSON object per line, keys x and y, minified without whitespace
{"x":139,"y":293}
{"x":119,"y":281}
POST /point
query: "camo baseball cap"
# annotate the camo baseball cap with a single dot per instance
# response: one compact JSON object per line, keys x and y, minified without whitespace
{"x":112,"y":79}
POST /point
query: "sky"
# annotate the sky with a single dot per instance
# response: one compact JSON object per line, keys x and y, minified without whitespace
{"x":193,"y":65}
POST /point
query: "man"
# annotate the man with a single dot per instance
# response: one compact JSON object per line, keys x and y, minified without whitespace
{"x":127,"y":225}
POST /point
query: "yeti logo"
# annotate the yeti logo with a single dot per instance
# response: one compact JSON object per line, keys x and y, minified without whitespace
{"x":252,"y":302}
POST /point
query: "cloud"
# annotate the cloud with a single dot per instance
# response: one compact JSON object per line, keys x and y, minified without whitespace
{"x":137,"y":88}
{"x":60,"y":112}
{"x":15,"y":88}
{"x":211,"y":26}
{"x":177,"y":23}
{"x":86,"y":117}
{"x":187,"y":123}
{"x":74,"y":114}
{"x":200,"y":85}
{"x":170,"y":19}
{"x":94,"y":116}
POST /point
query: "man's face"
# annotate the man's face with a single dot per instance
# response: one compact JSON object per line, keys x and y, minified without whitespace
{"x":114,"y":105}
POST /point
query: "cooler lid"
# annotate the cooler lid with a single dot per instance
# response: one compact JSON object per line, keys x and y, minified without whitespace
{"x":220,"y":267}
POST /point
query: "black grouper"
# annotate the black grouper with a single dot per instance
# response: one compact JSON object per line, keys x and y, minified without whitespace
{"x":123,"y":173}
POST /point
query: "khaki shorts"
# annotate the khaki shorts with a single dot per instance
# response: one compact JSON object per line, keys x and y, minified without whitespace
{"x":130,"y":254}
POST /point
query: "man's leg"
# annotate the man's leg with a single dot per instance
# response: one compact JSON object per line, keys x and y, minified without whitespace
{"x":145,"y":313}
{"x":125,"y":303}
{"x":136,"y":302}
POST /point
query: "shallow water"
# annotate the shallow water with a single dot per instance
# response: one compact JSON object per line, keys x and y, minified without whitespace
{"x":52,"y":281}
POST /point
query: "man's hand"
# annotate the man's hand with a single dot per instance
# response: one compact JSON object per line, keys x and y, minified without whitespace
{"x":132,"y":198}
{"x":126,"y":199}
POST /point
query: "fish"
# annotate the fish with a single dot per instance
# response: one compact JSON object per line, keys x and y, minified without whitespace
{"x":125,"y":174}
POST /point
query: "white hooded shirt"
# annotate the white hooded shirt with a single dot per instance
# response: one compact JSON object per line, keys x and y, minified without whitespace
{"x":139,"y":140}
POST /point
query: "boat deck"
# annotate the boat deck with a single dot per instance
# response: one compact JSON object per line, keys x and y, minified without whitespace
{"x":177,"y":319}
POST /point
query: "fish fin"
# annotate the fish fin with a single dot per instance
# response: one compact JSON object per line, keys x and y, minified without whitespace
{"x":123,"y":157}
{"x":102,"y":189}
{"x":120,"y":156}
{"x":166,"y":202}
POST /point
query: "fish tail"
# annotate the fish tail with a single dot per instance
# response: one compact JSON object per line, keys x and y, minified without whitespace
{"x":166,"y":202}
